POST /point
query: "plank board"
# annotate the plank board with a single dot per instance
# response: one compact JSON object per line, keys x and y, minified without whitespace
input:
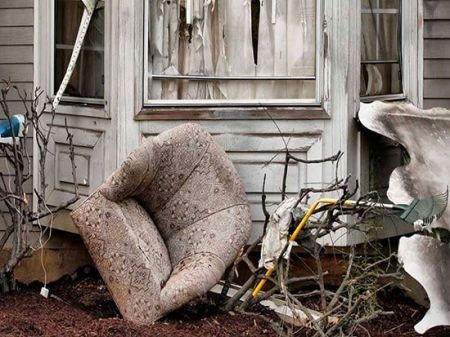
{"x":29,"y":146}
{"x":429,"y":103}
{"x":27,"y":189}
{"x":436,"y":10}
{"x":436,"y":29}
{"x":16,"y":36}
{"x":436,"y":72}
{"x":16,"y":17}
{"x":436,"y":88}
{"x":436,"y":49}
{"x":16,"y":3}
{"x":16,"y":54}
{"x":6,"y":167}
{"x":264,"y":142}
{"x":13,"y":95}
{"x":17,"y":72}
{"x":15,"y":107}
{"x":436,"y":69}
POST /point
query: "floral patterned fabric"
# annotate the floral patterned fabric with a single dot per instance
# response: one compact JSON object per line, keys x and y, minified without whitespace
{"x":163,"y":228}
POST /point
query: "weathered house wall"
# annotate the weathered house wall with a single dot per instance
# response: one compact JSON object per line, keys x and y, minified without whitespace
{"x":16,"y":58}
{"x":103,"y":141}
{"x":249,"y":142}
{"x":436,"y":67}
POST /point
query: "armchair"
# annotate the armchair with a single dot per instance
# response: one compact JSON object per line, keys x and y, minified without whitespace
{"x":163,"y":228}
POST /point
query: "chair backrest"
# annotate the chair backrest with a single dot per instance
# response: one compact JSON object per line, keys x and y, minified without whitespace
{"x":164,"y":227}
{"x":185,"y":178}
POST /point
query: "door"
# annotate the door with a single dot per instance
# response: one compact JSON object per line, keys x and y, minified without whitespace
{"x":83,"y":108}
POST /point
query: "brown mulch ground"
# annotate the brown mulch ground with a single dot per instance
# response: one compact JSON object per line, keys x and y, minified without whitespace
{"x":84,"y":308}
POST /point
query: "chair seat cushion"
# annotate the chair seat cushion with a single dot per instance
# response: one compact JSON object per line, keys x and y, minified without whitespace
{"x":129,"y":253}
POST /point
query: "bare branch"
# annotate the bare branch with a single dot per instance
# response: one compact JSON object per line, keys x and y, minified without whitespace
{"x":19,"y":161}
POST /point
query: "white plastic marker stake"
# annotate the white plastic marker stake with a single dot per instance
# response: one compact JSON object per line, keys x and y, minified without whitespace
{"x":274,"y":12}
{"x":189,"y":12}
{"x":89,"y":7}
{"x":44,"y":292}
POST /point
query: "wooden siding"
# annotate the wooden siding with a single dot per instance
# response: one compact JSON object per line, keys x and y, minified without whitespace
{"x":436,"y":67}
{"x":16,"y":61}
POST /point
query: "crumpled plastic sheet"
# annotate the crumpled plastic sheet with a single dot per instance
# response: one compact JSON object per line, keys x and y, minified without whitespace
{"x":277,"y":233}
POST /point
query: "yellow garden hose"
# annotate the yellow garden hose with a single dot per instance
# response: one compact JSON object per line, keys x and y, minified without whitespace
{"x":297,"y":231}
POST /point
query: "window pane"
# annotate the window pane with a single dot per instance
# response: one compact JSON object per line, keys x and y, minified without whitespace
{"x":384,"y":4}
{"x":225,"y":40}
{"x":381,"y":48}
{"x":88,"y":77}
{"x":379,"y":40}
{"x":392,"y":4}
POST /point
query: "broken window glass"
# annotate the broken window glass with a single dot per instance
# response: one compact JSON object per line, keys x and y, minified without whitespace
{"x":381,"y":47}
{"x":88,"y":76}
{"x":239,"y":49}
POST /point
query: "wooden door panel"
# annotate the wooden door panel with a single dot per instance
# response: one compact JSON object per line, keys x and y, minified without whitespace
{"x":89,"y":159}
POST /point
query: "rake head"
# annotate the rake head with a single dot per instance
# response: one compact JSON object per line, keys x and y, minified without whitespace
{"x":427,"y":210}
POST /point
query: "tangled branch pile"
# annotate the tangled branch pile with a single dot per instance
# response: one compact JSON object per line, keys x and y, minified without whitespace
{"x":328,"y":309}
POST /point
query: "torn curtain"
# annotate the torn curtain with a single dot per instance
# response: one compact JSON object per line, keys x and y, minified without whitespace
{"x":380,"y":47}
{"x":87,"y":79}
{"x":216,"y":38}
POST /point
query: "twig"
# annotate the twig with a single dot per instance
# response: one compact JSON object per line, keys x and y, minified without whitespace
{"x":343,"y":283}
{"x":40,"y":215}
{"x":307,"y":313}
{"x":72,"y":158}
{"x":263,"y":204}
{"x":332,"y":158}
{"x":6,"y":234}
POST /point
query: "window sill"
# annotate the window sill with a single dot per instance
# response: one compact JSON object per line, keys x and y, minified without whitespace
{"x":219,"y":113}
{"x":393,"y":97}
{"x":82,"y":109}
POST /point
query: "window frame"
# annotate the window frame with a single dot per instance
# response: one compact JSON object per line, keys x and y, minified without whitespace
{"x":328,"y":71}
{"x":161,"y":105}
{"x":51,"y":88}
{"x":412,"y":77}
{"x":411,"y":56}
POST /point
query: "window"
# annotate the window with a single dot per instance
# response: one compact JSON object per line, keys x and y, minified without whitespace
{"x":231,"y":52}
{"x":381,"y":48}
{"x":87,"y":80}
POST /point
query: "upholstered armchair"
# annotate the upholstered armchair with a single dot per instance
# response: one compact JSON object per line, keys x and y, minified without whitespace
{"x":163,"y":228}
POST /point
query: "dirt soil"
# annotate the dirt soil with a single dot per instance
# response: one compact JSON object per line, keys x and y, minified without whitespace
{"x":83,"y":307}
